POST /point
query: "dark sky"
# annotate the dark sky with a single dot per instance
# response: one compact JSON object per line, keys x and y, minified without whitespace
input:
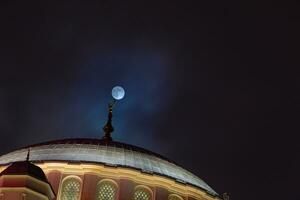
{"x":213,"y":85}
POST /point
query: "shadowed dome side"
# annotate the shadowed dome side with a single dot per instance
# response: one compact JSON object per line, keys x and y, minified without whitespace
{"x":25,"y":168}
{"x":108,"y":153}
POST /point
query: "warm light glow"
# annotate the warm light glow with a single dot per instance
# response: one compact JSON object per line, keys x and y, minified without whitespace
{"x":137,"y":176}
{"x":71,"y":186}
{"x":174,"y":197}
{"x":141,"y":194}
{"x":106,"y":190}
{"x":22,"y":189}
{"x":129,"y":174}
{"x":30,"y":181}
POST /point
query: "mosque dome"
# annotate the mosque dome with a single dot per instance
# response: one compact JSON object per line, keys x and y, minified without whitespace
{"x":108,"y":153}
{"x":103,"y":169}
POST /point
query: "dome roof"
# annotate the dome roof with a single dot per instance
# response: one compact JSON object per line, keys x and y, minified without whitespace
{"x":108,"y":153}
{"x":25,"y":168}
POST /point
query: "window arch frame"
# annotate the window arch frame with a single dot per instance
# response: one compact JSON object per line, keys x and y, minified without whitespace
{"x":175,"y":195}
{"x":110,"y":181}
{"x":144,"y":187}
{"x":62,"y":184}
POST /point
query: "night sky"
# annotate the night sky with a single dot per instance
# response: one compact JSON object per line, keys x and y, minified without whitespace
{"x":212,"y":85}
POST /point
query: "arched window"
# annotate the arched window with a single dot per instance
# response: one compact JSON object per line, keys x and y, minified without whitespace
{"x":70,"y":189}
{"x":174,"y":197}
{"x":142,"y":193}
{"x":106,"y":190}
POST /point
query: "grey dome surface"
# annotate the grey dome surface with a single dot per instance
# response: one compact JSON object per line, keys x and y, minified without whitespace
{"x":107,"y":153}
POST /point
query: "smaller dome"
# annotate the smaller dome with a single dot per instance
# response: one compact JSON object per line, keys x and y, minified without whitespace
{"x":25,"y":168}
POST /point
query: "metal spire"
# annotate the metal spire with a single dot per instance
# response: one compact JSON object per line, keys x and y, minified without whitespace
{"x":108,"y":128}
{"x":28,"y":155}
{"x":117,"y":93}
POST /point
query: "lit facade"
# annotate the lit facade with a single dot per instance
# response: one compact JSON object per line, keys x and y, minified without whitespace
{"x":92,"y":169}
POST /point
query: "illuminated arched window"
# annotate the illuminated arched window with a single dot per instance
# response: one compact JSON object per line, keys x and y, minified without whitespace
{"x":106,"y":190}
{"x":142,"y":193}
{"x":174,"y":197}
{"x":70,"y":189}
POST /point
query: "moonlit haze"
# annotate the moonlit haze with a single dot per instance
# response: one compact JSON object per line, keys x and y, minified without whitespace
{"x":212,"y":85}
{"x":118,"y":93}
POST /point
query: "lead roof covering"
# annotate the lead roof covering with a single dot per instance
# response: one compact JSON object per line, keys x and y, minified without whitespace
{"x":108,"y":153}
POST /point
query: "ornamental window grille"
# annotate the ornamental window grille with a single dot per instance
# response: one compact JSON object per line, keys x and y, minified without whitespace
{"x":142,"y":194}
{"x":174,"y":197}
{"x":106,"y":190}
{"x":70,"y":189}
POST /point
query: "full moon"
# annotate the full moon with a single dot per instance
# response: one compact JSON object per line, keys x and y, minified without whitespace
{"x":118,"y":92}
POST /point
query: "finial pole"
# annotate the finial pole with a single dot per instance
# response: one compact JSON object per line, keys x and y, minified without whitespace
{"x":117,"y":93}
{"x":108,"y":128}
{"x":28,"y":155}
